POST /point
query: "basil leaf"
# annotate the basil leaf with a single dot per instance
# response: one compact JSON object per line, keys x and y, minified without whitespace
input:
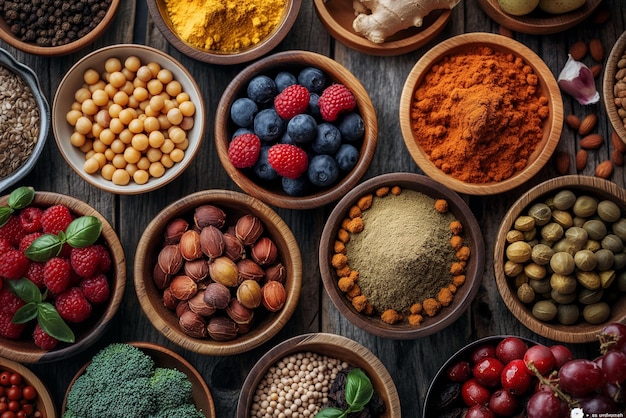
{"x":83,"y":231}
{"x":25,"y":290}
{"x":52,"y":323}
{"x":26,"y":313}
{"x":5,"y":214}
{"x":359,"y":390}
{"x":44,"y":248}
{"x":21,"y":197}
{"x":330,"y":413}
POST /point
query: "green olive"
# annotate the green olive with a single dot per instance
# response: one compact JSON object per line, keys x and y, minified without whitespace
{"x":525,"y":293}
{"x":608,"y":211}
{"x":540,"y":286}
{"x":589,"y":279}
{"x":619,"y":260}
{"x":563,"y":299}
{"x":596,"y":313}
{"x":587,"y":297}
{"x":552,"y":232}
{"x":564,"y":200}
{"x":585,"y":206}
{"x":568,"y":314}
{"x":541,"y":254}
{"x":544,"y":310}
{"x":565,"y":245}
{"x":585,"y":260}
{"x":576,"y":235}
{"x":514,"y":235}
{"x":613,"y":243}
{"x":541,"y":213}
{"x":619,"y":228}
{"x":518,"y":252}
{"x":529,"y":236}
{"x":562,"y":263}
{"x":564,"y":285}
{"x":512,"y":269}
{"x":520,"y":279}
{"x":563,"y":218}
{"x":595,"y":228}
{"x":535,"y":271}
{"x":524,"y":223}
{"x":605,"y":259}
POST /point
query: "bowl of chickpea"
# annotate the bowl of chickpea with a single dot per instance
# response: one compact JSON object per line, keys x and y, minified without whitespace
{"x":128,"y":118}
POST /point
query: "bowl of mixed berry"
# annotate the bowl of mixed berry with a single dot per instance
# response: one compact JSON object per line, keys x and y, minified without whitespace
{"x":62,"y":275}
{"x":296,"y":130}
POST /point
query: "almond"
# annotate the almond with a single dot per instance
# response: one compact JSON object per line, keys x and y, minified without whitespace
{"x":581,"y":160}
{"x":617,"y":158}
{"x":578,"y":50}
{"x":587,"y":124}
{"x":596,"y":49}
{"x":561,"y":162}
{"x":573,"y":121}
{"x":596,"y":70}
{"x":618,"y":144}
{"x":604,"y":169}
{"x":591,"y":141}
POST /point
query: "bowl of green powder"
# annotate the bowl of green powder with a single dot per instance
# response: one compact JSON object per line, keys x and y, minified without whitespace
{"x":401,"y":256}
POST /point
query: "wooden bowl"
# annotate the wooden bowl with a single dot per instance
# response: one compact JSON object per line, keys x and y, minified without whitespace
{"x":158,"y":12}
{"x":73,"y":80}
{"x":538,"y":22}
{"x":24,"y":350}
{"x":44,"y":402}
{"x":80,"y":43}
{"x":164,"y":357}
{"x":272,"y":192}
{"x":552,"y":126}
{"x":330,"y":345}
{"x":32,"y":81}
{"x":337,"y":17}
{"x":581,"y":331}
{"x":472,"y":238}
{"x":235,"y":204}
{"x":608,"y":82}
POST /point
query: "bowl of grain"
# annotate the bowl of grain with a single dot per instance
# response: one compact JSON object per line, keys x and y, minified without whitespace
{"x":25,"y":120}
{"x":458,"y":120}
{"x":213,"y":33}
{"x":385,"y":233}
{"x":77,"y":24}
{"x":34,"y":396}
{"x":573,"y":282}
{"x":149,"y":134}
{"x":614,"y":87}
{"x":322,"y":360}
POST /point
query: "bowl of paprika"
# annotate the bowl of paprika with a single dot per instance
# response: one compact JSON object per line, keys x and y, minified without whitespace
{"x":481,"y":113}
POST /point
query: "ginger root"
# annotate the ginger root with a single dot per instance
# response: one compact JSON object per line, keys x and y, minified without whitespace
{"x":377,"y":20}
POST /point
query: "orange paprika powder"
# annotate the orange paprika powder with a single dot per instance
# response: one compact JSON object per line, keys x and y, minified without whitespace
{"x":479,"y":115}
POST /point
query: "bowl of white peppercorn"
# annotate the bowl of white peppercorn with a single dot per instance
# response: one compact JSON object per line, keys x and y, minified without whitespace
{"x":559,"y":258}
{"x":307,"y":373}
{"x":25,"y":120}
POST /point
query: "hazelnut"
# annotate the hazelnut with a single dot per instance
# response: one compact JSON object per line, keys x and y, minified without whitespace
{"x":216,"y":295}
{"x":224,"y":270}
{"x":264,"y":251}
{"x":233,"y":248}
{"x":183,"y":287}
{"x":170,"y":259}
{"x":274,"y":296}
{"x":160,"y":278}
{"x":174,"y":230}
{"x":196,"y":269}
{"x":276,"y":272}
{"x":181,"y":307}
{"x":169,"y":301}
{"x":222,"y":328}
{"x":193,"y":324}
{"x":211,"y":241}
{"x":249,"y":294}
{"x":249,"y":270}
{"x":206,"y":215}
{"x":190,"y":245}
{"x":239,"y":313}
{"x":199,"y":306}
{"x":248,"y":229}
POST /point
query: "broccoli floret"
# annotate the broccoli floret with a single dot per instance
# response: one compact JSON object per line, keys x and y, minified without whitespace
{"x":84,"y":390}
{"x":132,"y":398}
{"x":187,"y":410}
{"x":163,"y":381}
{"x":119,"y":362}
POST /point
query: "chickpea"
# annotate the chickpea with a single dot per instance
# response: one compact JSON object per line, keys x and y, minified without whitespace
{"x":116,"y":126}
{"x":141,"y":176}
{"x":110,"y":90}
{"x":126,"y":136}
{"x":97,"y":86}
{"x":88,"y":107}
{"x":182,"y":97}
{"x":117,"y":146}
{"x":82,"y":94}
{"x":100,"y":97}
{"x":87,"y":146}
{"x":114,"y":110}
{"x":156,"y":169}
{"x":120,"y":177}
{"x":187,"y":108}
{"x":173,"y":88}
{"x":154,"y":154}
{"x":155,"y":86}
{"x":136,"y":126}
{"x":141,"y":94}
{"x":109,"y":154}
{"x":156,"y":139}
{"x":83,"y":125}
{"x":99,"y":156}
{"x":107,"y":171}
{"x":72,"y":116}
{"x":176,"y":134}
{"x":175,"y":116}
{"x":164,"y":122}
{"x":91,"y":76}
{"x":128,"y":88}
{"x":143,"y":164}
{"x":131,"y":169}
{"x":168,"y":146}
{"x":177,"y":155}
{"x":118,"y":161}
{"x":167,"y":161}
{"x":107,"y":136}
{"x":121,"y":98}
{"x":154,"y":68}
{"x":117,"y":79}
{"x":144,"y":73}
{"x":91,"y":166}
{"x":132,"y":63}
{"x":98,"y":146}
{"x":165,"y":76}
{"x":77,"y":139}
{"x":140,"y":142}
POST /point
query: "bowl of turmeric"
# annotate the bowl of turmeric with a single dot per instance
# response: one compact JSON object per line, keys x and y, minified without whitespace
{"x":219,"y":33}
{"x":401,"y":256}
{"x":481,"y":113}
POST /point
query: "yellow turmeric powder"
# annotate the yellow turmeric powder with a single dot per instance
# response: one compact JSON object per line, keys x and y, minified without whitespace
{"x":225,"y":26}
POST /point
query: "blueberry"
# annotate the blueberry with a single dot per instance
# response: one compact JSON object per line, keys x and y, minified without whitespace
{"x":302,"y":128}
{"x":241,"y":131}
{"x":286,"y":139}
{"x":327,"y":140}
{"x":351,"y":127}
{"x":296,"y":187}
{"x":346,"y":157}
{"x":314,"y":109}
{"x":242,"y":112}
{"x":262,"y":89}
{"x":268,"y":125}
{"x":323,"y":170}
{"x":313,"y":79}
{"x":284,"y":79}
{"x":262,"y":168}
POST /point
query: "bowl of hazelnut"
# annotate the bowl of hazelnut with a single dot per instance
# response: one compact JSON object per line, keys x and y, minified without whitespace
{"x":218,"y":272}
{"x":308,"y":123}
{"x":559,"y":258}
{"x":128,"y":118}
{"x":613,"y":89}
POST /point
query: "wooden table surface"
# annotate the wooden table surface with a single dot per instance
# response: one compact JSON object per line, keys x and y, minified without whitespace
{"x":412,"y":364}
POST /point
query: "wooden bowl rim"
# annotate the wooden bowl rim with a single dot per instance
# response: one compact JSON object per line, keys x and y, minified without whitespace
{"x":323,"y":344}
{"x":410,"y":42}
{"x":610,"y":69}
{"x":243,"y":342}
{"x":545,"y":148}
{"x":337,"y":72}
{"x":465,"y":293}
{"x":63,"y":144}
{"x":533,"y":25}
{"x":578,"y":333}
{"x":44,"y":401}
{"x":60,"y":50}
{"x":36,"y":355}
{"x":292,"y":9}
{"x":150,"y":349}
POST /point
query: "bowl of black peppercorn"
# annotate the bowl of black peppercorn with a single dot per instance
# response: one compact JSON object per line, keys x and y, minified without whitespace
{"x":54,"y":27}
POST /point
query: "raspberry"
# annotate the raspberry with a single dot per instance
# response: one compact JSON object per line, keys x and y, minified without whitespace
{"x":72,"y":305}
{"x":43,"y":340}
{"x":96,"y":288}
{"x":28,"y":239}
{"x":56,"y":274}
{"x":9,"y":301}
{"x":104,"y":263}
{"x":288,"y":160}
{"x":55,"y":219}
{"x":291,"y":101}
{"x":335,"y":99}
{"x":12,"y":231}
{"x":244,"y":149}
{"x":8,"y":329}
{"x":13,"y":264}
{"x":85,"y":261}
{"x":30,"y":218}
{"x":35,"y":274}
{"x":5,"y":245}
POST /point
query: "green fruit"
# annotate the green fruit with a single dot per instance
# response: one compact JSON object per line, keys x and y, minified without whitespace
{"x":560,"y":6}
{"x":518,"y":7}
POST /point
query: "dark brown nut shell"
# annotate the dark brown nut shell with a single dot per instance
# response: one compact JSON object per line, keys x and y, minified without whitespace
{"x":276,"y":272}
{"x":217,"y":295}
{"x":239,"y":313}
{"x":248,"y":229}
{"x":196,"y":269}
{"x":249,"y":270}
{"x":170,"y":259}
{"x":160,"y":278}
{"x":212,"y":241}
{"x":169,"y":301}
{"x":183,"y":287}
{"x":174,"y":230}
{"x":222,"y":328}
{"x":206,"y":215}
{"x":189,"y":245}
{"x":233,"y":247}
{"x":264,"y":251}
{"x":274,"y":296}
{"x":181,"y":308}
{"x":197,"y":305}
{"x":193,"y":324}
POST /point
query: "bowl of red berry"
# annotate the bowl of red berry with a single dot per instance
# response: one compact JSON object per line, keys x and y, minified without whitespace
{"x":22,"y":393}
{"x":512,"y":376}
{"x":62,"y":274}
{"x":296,"y":130}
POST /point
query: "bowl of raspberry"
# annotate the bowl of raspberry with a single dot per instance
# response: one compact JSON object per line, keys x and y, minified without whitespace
{"x":296,"y":130}
{"x":62,"y":275}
